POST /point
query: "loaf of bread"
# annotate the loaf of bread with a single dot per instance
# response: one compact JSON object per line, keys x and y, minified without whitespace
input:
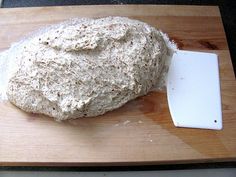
{"x":86,"y":67}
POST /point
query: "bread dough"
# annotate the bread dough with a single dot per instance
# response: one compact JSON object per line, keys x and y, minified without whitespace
{"x":86,"y":67}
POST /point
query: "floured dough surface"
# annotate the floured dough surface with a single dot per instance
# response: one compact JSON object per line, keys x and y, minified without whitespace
{"x":86,"y":67}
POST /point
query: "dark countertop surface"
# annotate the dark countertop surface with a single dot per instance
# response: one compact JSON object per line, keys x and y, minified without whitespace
{"x":228,"y":12}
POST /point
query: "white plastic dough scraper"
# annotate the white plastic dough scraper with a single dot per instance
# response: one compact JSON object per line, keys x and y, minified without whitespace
{"x":193,"y":90}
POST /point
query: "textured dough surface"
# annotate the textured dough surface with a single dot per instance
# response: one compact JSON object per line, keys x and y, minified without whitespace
{"x":86,"y":67}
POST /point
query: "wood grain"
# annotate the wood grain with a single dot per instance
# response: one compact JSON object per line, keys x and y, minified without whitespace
{"x":141,"y":132}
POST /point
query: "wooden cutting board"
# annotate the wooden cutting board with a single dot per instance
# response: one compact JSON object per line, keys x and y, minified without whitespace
{"x":141,"y":132}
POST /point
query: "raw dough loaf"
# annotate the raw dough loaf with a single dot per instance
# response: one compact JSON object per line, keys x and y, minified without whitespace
{"x":86,"y":67}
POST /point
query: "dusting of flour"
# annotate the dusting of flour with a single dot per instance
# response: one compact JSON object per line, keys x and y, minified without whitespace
{"x":8,"y":66}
